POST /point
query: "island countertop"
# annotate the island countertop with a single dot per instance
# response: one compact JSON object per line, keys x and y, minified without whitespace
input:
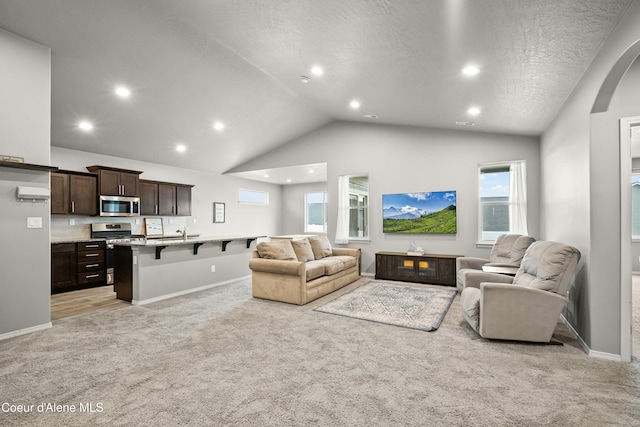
{"x":175,"y":241}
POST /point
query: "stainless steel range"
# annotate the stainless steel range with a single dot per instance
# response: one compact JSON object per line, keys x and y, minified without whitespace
{"x":113,"y":233}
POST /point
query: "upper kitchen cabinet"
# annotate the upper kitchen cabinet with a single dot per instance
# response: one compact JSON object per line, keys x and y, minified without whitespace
{"x":116,"y":182}
{"x":165,"y":198}
{"x":74,"y":193}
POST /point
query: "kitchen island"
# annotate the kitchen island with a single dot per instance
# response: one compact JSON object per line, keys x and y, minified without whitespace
{"x":156,"y":269}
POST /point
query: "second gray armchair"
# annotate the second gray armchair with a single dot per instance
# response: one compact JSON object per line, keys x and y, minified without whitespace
{"x":506,"y":252}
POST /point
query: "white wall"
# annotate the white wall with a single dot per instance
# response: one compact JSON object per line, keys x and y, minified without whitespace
{"x":25,"y":268}
{"x":580,"y":202}
{"x":410,"y":159}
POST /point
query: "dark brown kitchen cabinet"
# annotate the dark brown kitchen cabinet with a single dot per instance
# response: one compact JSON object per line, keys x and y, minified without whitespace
{"x":165,"y":198}
{"x":116,"y":182}
{"x":77,"y":265}
{"x":91,"y":263}
{"x":183,"y":200}
{"x":148,"y":197}
{"x":74,"y":193}
{"x":63,"y":267}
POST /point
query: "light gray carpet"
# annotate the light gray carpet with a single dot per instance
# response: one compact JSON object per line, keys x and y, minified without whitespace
{"x":409,"y":306}
{"x":221,"y":358}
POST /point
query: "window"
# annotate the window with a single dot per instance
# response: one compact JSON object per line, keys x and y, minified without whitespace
{"x":253,"y":196}
{"x":635,"y":206}
{"x":353,"y":208}
{"x":315,"y":205}
{"x":502,"y":200}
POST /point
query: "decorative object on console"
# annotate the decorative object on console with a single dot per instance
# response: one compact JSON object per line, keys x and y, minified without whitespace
{"x":415,"y":250}
{"x":414,"y":307}
{"x":419,"y":213}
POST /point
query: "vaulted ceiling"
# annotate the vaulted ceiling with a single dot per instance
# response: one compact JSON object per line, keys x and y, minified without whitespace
{"x":192,"y":63}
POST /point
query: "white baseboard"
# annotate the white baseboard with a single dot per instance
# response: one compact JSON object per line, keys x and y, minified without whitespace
{"x":368,"y":274}
{"x":185,"y":292}
{"x":585,"y":347}
{"x":25,"y":331}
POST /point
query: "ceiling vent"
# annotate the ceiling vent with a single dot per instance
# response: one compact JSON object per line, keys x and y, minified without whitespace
{"x":466,"y":123}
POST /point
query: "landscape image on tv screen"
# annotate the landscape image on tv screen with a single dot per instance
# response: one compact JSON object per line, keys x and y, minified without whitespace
{"x":430,"y":213}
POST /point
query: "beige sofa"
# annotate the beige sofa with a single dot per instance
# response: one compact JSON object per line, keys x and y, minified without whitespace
{"x":300,"y":271}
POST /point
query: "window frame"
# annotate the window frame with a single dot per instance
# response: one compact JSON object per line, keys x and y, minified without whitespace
{"x":365,"y":208}
{"x":489,"y":168}
{"x":257,"y":203}
{"x":325,"y":212}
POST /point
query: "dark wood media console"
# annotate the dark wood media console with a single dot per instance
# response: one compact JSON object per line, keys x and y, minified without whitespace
{"x":427,"y":268}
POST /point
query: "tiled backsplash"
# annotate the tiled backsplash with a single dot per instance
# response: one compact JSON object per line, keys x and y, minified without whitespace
{"x":79,"y":227}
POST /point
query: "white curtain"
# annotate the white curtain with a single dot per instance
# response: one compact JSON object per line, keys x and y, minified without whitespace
{"x":342,"y":224}
{"x":518,"y":198}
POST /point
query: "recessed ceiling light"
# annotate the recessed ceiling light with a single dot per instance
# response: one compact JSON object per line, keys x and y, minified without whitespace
{"x":310,"y":170}
{"x":217,"y":125}
{"x":288,"y":179}
{"x":266,"y":175}
{"x":181,"y":148}
{"x":474,"y":111}
{"x":85,"y":125}
{"x":305,"y":79}
{"x":317,"y":70}
{"x":355,"y":104}
{"x":470,"y":70}
{"x":122,"y":91}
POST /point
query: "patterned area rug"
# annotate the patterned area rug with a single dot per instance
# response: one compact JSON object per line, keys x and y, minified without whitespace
{"x":415,"y":307}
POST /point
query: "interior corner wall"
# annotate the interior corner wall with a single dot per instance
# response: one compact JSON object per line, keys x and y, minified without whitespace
{"x":580,"y":188}
{"x":25,"y":117}
{"x":293,"y":205}
{"x":401,"y":159}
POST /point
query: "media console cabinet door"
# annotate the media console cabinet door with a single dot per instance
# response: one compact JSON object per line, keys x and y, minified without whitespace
{"x":431,"y":269}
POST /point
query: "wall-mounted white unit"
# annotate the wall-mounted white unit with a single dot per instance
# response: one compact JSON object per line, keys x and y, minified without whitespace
{"x":32,"y":193}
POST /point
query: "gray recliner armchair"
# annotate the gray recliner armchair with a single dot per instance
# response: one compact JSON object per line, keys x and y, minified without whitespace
{"x":528,"y":308}
{"x":506,"y":252}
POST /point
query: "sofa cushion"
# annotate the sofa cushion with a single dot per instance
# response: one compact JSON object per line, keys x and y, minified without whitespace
{"x":303,"y":250}
{"x":348,"y":261}
{"x":314,"y":269}
{"x":331,"y":265}
{"x":276,"y":250}
{"x":321,"y":246}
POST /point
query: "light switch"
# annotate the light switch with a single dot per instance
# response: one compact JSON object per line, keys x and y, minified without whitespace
{"x":34,"y":222}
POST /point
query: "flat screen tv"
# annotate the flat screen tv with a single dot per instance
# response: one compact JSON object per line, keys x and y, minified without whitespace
{"x":419,"y":213}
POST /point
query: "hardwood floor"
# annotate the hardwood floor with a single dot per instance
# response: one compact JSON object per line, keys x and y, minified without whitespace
{"x":83,"y":301}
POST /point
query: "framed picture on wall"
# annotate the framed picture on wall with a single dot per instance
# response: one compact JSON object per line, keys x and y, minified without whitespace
{"x":218,"y":212}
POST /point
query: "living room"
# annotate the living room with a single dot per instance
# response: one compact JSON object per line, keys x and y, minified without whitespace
{"x":573,"y":187}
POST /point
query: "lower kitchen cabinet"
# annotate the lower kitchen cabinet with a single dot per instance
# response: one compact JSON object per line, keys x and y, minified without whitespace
{"x":64,"y":263}
{"x":77,"y":265}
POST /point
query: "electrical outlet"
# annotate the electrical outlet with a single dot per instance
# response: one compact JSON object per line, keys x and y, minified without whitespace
{"x":213,"y":268}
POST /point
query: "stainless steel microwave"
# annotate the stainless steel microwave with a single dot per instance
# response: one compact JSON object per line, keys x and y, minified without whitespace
{"x":119,"y":206}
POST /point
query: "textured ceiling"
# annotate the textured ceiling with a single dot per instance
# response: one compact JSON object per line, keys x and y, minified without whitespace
{"x":191,"y":62}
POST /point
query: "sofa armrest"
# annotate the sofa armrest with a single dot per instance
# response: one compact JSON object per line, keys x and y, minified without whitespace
{"x":470,"y":262}
{"x":354,"y":252}
{"x":515,"y":312}
{"x":291,"y":268}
